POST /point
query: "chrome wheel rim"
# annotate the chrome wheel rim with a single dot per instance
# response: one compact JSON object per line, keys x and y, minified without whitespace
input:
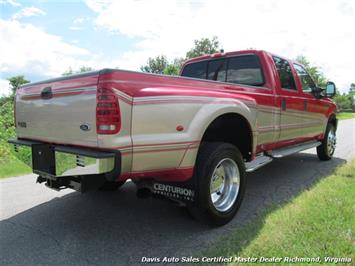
{"x":331,"y":143}
{"x":224,"y":185}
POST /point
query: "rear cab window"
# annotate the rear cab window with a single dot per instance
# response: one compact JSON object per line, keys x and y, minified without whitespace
{"x":245,"y":69}
{"x":196,"y":70}
{"x":217,"y":70}
{"x":241,"y":69}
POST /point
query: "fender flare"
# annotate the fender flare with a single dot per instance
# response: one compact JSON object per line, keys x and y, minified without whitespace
{"x":209,"y":113}
{"x":332,"y":119}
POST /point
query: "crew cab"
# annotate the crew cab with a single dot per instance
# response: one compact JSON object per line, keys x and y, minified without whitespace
{"x":190,"y":138}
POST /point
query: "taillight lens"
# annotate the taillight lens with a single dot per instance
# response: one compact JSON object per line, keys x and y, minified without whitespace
{"x":108,"y":117}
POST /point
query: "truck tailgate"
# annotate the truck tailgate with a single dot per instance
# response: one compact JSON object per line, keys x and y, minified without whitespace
{"x":61,"y":110}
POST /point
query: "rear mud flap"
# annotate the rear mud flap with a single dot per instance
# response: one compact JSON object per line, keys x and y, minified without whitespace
{"x":176,"y":191}
{"x":43,"y":159}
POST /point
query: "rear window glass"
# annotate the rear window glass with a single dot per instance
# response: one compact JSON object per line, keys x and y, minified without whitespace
{"x":245,"y":69}
{"x":217,"y":70}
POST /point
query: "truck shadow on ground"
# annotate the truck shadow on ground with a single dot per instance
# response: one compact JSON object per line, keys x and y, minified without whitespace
{"x":117,"y":228}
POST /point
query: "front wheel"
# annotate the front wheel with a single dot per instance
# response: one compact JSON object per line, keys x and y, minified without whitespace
{"x":220,"y":183}
{"x":326,"y":150}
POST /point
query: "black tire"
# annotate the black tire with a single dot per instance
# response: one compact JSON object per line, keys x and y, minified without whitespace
{"x":111,"y":185}
{"x":323,"y":151}
{"x":210,"y":156}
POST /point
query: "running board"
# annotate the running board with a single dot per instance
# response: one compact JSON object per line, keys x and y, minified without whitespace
{"x":258,"y":162}
{"x":279,"y":153}
{"x":262,"y":160}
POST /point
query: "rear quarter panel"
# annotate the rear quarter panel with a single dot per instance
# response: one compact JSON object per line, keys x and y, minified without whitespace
{"x":169,"y":116}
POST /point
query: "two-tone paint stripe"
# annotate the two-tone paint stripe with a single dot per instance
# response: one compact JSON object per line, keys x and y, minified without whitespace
{"x":63,"y":92}
{"x":158,"y":147}
{"x":178,"y":99}
{"x":265,"y":129}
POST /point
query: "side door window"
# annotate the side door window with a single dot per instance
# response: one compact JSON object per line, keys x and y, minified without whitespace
{"x":307,"y":82}
{"x":285,"y":73}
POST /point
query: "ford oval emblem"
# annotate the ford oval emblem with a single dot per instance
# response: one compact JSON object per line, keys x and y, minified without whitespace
{"x":85,"y":127}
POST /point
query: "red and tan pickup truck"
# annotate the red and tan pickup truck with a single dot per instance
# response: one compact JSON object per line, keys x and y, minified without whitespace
{"x":190,"y":138}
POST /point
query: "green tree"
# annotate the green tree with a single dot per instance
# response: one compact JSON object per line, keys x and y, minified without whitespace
{"x":68,"y":72}
{"x":178,"y":62}
{"x":156,"y":65}
{"x":203,"y":46}
{"x":82,"y":69}
{"x":161,"y":65}
{"x":7,"y":109}
{"x":171,"y":70}
{"x":316,"y":74}
{"x":16,"y":82}
{"x":174,"y":67}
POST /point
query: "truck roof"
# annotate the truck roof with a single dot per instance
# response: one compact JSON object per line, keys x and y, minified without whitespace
{"x":219,"y":54}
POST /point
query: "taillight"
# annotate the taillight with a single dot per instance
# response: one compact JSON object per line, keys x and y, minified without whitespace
{"x":108,"y":118}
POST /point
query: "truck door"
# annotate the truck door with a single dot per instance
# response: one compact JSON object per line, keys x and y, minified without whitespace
{"x":290,"y":102}
{"x":314,"y":109}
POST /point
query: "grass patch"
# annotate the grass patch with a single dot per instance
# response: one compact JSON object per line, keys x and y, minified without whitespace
{"x":317,"y":223}
{"x":343,"y":116}
{"x":13,"y":167}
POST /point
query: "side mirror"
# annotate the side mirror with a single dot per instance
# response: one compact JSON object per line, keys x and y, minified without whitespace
{"x":317,"y":92}
{"x":330,"y":89}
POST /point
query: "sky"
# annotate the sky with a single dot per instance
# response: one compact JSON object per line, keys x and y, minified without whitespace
{"x":42,"y":39}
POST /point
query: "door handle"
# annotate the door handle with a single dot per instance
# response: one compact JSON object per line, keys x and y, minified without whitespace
{"x":283,"y":104}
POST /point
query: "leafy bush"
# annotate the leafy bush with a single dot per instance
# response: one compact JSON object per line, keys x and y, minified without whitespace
{"x":7,"y":125}
{"x":344,"y":102}
{"x":4,"y":152}
{"x":7,"y":128}
{"x":8,"y":131}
